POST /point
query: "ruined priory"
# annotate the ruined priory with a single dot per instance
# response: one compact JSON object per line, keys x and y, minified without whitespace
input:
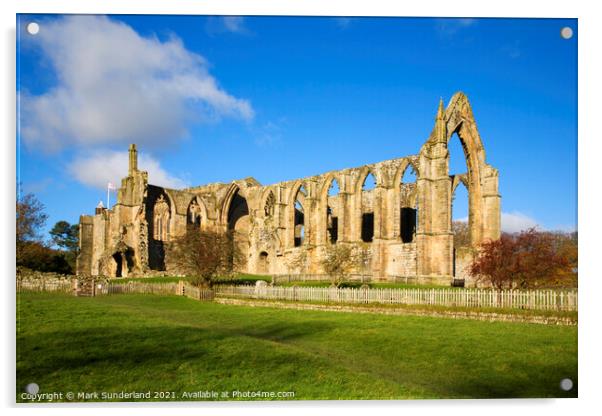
{"x":286,"y":227}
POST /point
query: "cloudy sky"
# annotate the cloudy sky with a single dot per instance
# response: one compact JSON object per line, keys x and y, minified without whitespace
{"x":211,"y":99}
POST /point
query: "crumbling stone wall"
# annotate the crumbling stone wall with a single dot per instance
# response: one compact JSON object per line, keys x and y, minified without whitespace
{"x":285,"y":227}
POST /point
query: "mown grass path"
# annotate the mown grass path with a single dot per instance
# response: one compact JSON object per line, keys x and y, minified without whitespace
{"x":168,"y":343}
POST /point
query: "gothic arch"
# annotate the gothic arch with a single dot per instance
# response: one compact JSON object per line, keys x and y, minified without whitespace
{"x":366,"y":225}
{"x":225,"y":205}
{"x":457,"y":179}
{"x":162,"y":216}
{"x":363,"y":174}
{"x":196,"y":213}
{"x":435,"y":188}
{"x":295,"y":225}
{"x":268,"y":203}
{"x":323,"y":222}
{"x":406,"y":163}
{"x":459,"y":119}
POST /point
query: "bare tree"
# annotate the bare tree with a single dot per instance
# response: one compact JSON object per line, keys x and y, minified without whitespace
{"x":298,"y":262}
{"x":204,"y":255}
{"x":461,"y":234}
{"x":338,"y":262}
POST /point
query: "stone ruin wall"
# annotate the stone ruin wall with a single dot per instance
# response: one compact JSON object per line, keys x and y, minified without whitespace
{"x":406,"y":227}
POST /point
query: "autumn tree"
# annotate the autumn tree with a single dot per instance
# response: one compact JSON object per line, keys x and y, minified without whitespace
{"x":204,"y":255}
{"x":30,"y":221}
{"x":525,"y":260}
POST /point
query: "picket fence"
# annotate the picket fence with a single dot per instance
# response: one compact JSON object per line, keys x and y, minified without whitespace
{"x":565,"y":300}
{"x":469,"y":298}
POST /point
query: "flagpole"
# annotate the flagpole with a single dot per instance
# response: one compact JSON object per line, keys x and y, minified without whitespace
{"x":108,"y":195}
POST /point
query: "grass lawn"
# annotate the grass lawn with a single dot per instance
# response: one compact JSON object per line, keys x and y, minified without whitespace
{"x":379,"y":285}
{"x":240,"y":279}
{"x":168,"y":343}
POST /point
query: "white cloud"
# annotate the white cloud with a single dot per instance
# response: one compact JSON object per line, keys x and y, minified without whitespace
{"x":101,"y":167}
{"x":234,"y":24}
{"x":115,"y":86}
{"x":450,"y":26}
{"x":516,"y":221}
{"x":513,"y":222}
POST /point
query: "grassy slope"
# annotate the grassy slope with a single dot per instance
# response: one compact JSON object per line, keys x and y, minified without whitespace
{"x":145,"y":342}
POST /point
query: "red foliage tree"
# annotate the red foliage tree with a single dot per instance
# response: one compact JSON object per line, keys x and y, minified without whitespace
{"x":526,"y":260}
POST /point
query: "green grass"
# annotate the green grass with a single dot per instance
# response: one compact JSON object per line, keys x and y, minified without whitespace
{"x":145,"y":342}
{"x":236,"y":280}
{"x":370,"y":285}
{"x":572,"y":315}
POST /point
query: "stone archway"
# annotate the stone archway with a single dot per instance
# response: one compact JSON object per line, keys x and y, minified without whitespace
{"x":434,"y":236}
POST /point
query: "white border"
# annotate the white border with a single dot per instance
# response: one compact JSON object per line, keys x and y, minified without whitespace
{"x":590,"y":136}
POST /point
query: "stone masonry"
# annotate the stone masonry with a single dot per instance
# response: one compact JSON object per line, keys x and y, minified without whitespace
{"x":286,"y":227}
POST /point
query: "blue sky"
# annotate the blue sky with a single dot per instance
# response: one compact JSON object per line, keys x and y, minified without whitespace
{"x":213,"y":99}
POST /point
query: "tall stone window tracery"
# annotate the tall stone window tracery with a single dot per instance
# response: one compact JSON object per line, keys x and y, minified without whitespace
{"x":333,"y":210}
{"x":269,"y":205}
{"x":194,"y":216}
{"x":408,"y":211}
{"x":299,"y":217}
{"x":161,"y":216}
{"x":367,"y":196}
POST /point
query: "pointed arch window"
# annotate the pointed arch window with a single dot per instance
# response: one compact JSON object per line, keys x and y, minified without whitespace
{"x":299,"y":217}
{"x":270,"y":203}
{"x":333,"y":210}
{"x":194,"y":216}
{"x":367,"y":207}
{"x":408,"y":211}
{"x":161,"y":217}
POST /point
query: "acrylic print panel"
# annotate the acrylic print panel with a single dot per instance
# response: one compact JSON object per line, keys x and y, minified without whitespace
{"x":295,"y":208}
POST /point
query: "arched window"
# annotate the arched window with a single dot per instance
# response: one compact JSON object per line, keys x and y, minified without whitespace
{"x":161,"y":217}
{"x":460,"y":204}
{"x":408,"y":211}
{"x":333,"y":211}
{"x":367,"y":208}
{"x":299,"y":217}
{"x":238,"y":214}
{"x":194,"y":216}
{"x":270,"y":203}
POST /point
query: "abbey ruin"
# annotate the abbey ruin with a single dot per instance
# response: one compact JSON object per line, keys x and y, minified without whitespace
{"x":285,"y":228}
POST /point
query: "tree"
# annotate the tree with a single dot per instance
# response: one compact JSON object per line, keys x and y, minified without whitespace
{"x":338,"y":262}
{"x":461,"y":234}
{"x":204,"y":255}
{"x":37,"y":256}
{"x":526,"y":260}
{"x":66,"y":236}
{"x":30,"y":220}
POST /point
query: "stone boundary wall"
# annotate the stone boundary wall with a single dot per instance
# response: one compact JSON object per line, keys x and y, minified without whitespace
{"x":479,"y":316}
{"x":28,"y":274}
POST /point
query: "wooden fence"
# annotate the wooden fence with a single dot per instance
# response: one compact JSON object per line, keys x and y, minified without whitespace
{"x":469,"y":298}
{"x":565,"y":300}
